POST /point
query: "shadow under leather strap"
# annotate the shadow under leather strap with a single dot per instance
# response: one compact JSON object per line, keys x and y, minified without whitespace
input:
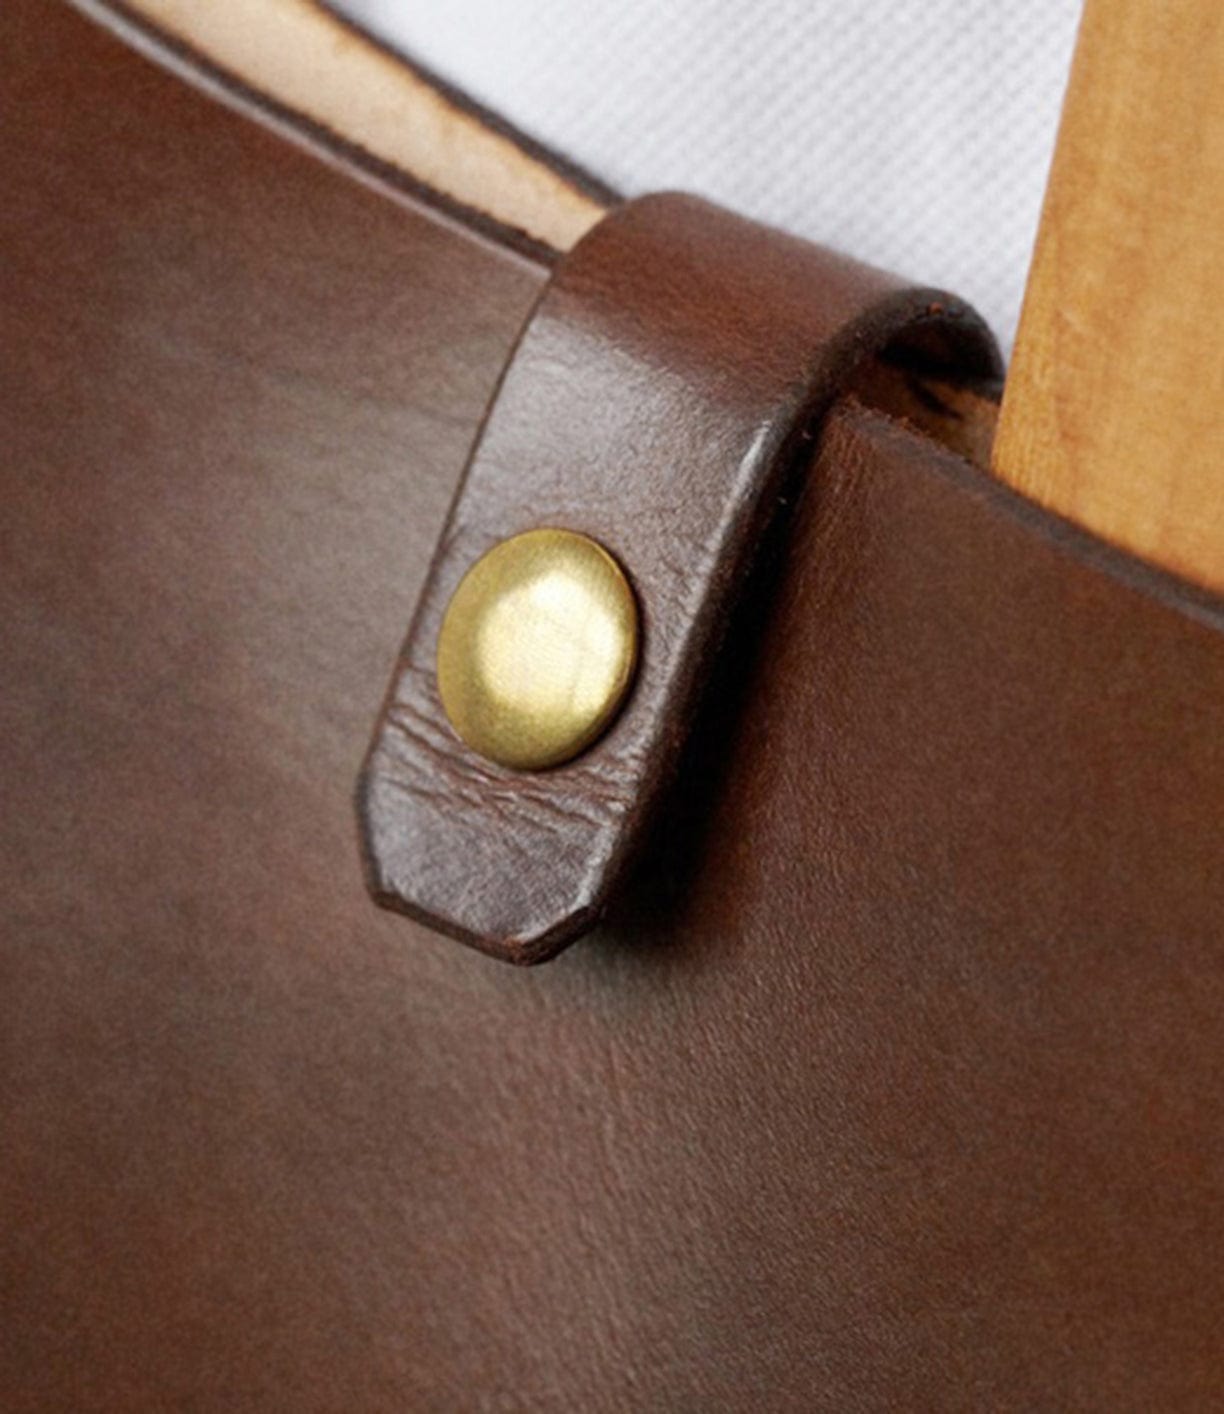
{"x":672,"y":374}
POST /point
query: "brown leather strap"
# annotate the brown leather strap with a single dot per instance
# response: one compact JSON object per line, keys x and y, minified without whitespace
{"x":675,"y":368}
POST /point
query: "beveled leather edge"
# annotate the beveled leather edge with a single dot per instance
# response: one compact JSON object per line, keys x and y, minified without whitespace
{"x":573,"y":173}
{"x":189,"y":62}
{"x":1184,"y":597}
{"x":701,"y":350}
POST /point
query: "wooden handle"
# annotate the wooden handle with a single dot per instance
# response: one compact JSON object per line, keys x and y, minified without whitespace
{"x":1113,"y":414}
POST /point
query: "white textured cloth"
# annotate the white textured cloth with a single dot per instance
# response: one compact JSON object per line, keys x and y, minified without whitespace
{"x":915,"y":134}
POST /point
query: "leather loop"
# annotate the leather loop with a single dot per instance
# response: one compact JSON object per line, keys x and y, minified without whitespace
{"x":672,"y":375}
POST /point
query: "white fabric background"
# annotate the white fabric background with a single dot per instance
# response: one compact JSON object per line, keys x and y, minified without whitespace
{"x":912,"y":133}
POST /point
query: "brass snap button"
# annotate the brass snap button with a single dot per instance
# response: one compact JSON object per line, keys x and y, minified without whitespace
{"x":537,"y":649}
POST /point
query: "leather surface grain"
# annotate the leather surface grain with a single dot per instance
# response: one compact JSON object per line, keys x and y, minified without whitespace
{"x":672,"y":376}
{"x":892,"y":1082}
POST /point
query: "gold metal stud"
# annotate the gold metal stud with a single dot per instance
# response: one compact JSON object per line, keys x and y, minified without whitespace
{"x":537,"y":649}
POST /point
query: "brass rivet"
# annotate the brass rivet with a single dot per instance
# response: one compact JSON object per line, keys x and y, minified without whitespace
{"x":537,"y":649}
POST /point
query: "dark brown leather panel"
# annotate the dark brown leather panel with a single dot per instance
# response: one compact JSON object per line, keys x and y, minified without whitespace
{"x":675,"y":369}
{"x":979,"y":758}
{"x":895,"y":1080}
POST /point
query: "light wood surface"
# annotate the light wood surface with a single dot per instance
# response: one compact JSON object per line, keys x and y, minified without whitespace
{"x":308,"y":61}
{"x":1114,"y":410}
